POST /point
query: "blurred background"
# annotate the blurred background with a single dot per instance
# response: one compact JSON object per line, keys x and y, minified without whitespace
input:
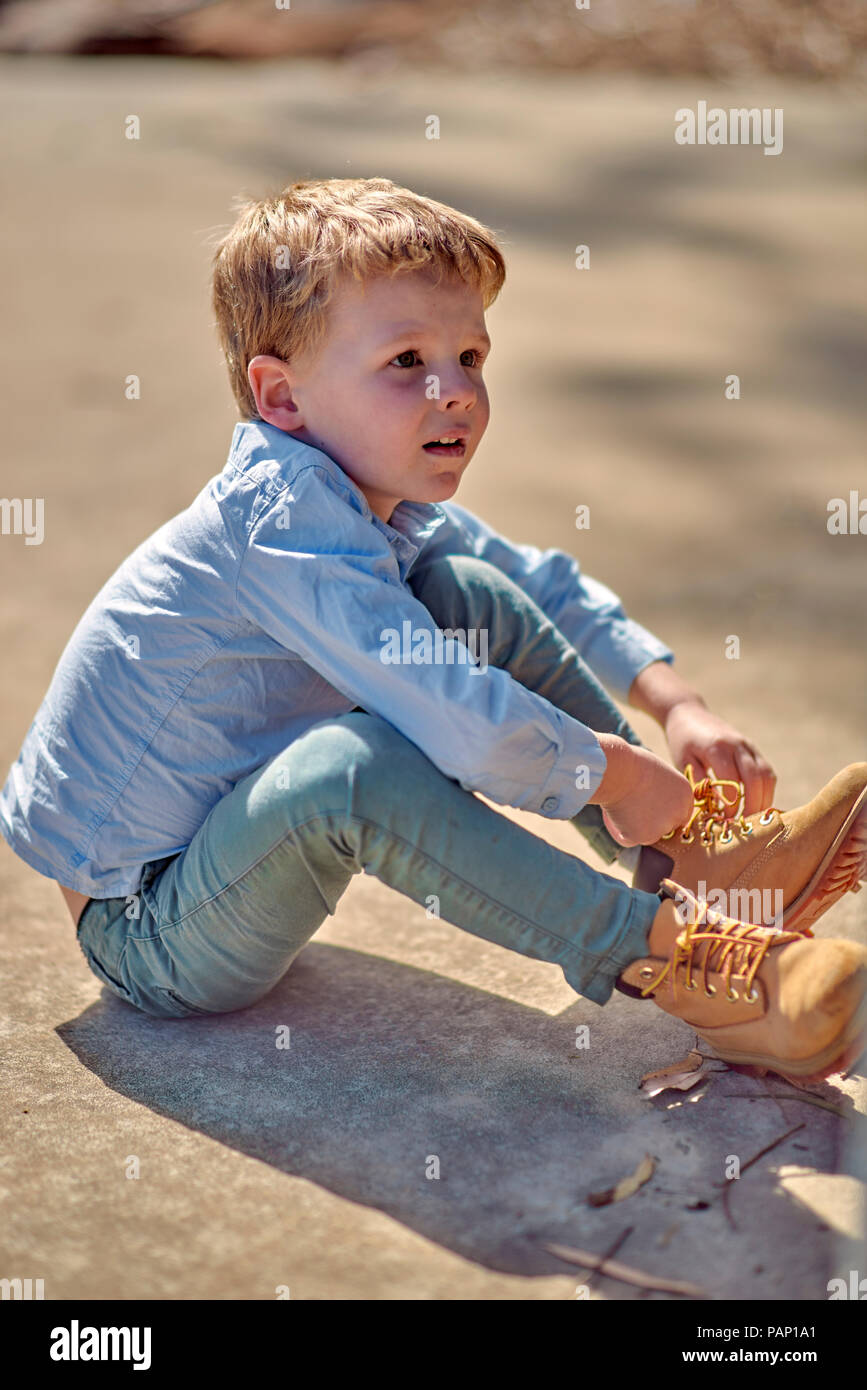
{"x":708,"y":515}
{"x":556,"y":127}
{"x":799,"y":38}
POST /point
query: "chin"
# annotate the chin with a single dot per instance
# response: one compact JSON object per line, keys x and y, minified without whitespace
{"x":444,"y":486}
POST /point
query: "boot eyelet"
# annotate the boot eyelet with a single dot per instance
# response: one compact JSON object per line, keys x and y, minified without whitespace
{"x":766,"y":817}
{"x":691,"y":987}
{"x":726,"y":837}
{"x":752,"y":997}
{"x":732,"y":995}
{"x":646,"y":973}
{"x":710,"y":991}
{"x":687,"y":839}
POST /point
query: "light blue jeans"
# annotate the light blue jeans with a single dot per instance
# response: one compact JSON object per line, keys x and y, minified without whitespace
{"x":215,"y":927}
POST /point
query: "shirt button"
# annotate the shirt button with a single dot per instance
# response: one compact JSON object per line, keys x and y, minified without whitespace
{"x":550,"y":803}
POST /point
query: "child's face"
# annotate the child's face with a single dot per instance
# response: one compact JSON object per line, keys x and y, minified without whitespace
{"x":401,"y":366}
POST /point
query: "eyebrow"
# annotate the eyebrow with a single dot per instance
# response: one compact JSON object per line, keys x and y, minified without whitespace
{"x":418,"y":330}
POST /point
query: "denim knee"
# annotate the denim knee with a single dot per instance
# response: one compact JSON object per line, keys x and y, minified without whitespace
{"x":341,"y":767}
{"x":464,"y":592}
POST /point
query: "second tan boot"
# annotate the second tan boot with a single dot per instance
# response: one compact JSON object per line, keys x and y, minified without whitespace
{"x":761,"y":998}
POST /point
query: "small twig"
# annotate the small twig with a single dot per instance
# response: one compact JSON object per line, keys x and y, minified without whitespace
{"x":796,"y":1095}
{"x":773,"y":1144}
{"x":613,"y":1269}
{"x":610,"y":1253}
{"x":749,"y":1163}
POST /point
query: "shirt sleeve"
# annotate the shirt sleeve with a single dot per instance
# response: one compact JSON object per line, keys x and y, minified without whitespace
{"x":324,"y":583}
{"x":589,"y":614}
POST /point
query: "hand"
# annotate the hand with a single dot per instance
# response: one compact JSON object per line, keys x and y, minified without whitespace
{"x":643,"y":797}
{"x":696,"y":736}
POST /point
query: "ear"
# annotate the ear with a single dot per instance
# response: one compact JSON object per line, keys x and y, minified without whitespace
{"x":271,"y":381}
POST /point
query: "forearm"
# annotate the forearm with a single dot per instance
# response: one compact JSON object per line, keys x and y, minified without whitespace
{"x":658,"y":689}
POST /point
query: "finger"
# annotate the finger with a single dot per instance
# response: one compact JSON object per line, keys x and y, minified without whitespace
{"x":759,"y":792}
{"x":720,"y":763}
{"x":752,"y":777}
{"x":764,"y":790}
{"x":769,"y":794}
{"x":769,"y":780}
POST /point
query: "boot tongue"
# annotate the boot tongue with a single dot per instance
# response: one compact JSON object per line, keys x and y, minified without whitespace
{"x":652,"y":867}
{"x":716,"y":938}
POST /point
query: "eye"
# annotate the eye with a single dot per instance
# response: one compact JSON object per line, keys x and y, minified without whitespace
{"x":476,"y":354}
{"x":409,"y":352}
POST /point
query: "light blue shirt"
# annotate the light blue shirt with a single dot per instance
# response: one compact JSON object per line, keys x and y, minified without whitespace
{"x":254,"y":614}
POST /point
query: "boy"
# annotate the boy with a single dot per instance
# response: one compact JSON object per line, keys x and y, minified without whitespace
{"x":280,"y":688}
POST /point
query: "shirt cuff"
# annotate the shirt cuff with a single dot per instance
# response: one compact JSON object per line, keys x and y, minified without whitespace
{"x":574,"y":777}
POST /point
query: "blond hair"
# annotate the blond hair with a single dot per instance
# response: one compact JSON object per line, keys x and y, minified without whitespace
{"x":279,"y":265}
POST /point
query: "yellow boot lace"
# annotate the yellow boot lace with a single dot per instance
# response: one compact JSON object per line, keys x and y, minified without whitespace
{"x":729,"y":944}
{"x":712,"y":810}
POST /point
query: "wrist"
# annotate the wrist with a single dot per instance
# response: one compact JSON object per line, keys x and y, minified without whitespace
{"x":658,"y":691}
{"x":619,"y":770}
{"x":693,"y":700}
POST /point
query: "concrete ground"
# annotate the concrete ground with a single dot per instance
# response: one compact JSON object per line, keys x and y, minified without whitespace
{"x":260,"y":1168}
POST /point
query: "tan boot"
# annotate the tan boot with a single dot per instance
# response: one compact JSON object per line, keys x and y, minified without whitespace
{"x":785,"y":867}
{"x":759,"y":997}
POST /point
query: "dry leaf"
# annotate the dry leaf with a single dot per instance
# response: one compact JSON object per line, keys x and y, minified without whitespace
{"x":677,"y":1076}
{"x":626,"y":1186}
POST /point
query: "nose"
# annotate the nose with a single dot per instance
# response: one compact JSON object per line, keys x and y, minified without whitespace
{"x":456,"y":387}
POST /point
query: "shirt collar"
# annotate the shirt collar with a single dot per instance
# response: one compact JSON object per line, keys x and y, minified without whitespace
{"x":411,"y":522}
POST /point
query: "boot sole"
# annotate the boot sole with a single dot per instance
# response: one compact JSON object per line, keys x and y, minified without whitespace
{"x":836,"y":1057}
{"x":843,"y":870}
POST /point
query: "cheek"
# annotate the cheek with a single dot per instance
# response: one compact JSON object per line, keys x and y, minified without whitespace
{"x":396,"y":409}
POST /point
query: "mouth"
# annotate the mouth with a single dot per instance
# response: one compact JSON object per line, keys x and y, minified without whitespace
{"x":448,"y":445}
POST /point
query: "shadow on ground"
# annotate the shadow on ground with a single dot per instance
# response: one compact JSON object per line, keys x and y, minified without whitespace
{"x":391,"y":1068}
